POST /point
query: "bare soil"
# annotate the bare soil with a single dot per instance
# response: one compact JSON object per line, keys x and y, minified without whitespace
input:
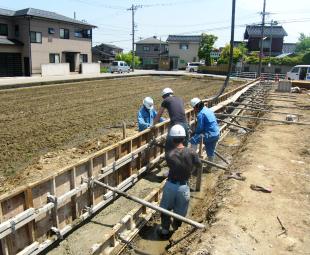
{"x":243,"y":221}
{"x":45,"y":128}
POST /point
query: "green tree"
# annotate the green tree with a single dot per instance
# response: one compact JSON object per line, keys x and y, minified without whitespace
{"x":205,"y":47}
{"x":127,"y":57}
{"x":303,"y":43}
{"x":238,"y":54}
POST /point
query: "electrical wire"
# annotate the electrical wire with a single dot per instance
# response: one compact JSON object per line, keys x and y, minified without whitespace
{"x":231,"y":51}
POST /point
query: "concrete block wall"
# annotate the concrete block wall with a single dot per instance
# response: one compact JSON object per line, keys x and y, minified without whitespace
{"x":90,"y":68}
{"x":55,"y":69}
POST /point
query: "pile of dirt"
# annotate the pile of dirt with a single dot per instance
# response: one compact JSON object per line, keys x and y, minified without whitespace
{"x":43,"y":128}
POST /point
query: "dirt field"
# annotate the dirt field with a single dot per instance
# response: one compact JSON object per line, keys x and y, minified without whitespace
{"x":243,"y":221}
{"x":45,"y":128}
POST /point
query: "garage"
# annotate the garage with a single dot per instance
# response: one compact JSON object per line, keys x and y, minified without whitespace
{"x":10,"y":64}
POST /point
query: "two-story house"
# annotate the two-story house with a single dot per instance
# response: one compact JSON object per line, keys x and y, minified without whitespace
{"x":31,"y":37}
{"x":184,"y":48}
{"x":150,"y":51}
{"x":105,"y":53}
{"x":272,"y":39}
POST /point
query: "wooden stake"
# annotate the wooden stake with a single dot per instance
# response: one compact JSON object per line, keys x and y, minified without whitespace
{"x":199,"y":172}
{"x":124,"y":130}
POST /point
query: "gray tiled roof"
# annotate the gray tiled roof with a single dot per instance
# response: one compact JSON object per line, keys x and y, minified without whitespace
{"x":5,"y":12}
{"x":151,"y":40}
{"x":41,"y":14}
{"x":255,"y":31}
{"x":184,"y":38}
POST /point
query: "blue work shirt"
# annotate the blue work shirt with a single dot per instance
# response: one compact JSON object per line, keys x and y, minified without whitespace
{"x":146,"y":118}
{"x":206,"y":126}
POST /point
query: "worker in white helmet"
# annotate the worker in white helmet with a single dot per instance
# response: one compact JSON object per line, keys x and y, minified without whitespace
{"x":146,"y":114}
{"x":181,"y":161}
{"x":207,"y":127}
{"x":175,"y":108}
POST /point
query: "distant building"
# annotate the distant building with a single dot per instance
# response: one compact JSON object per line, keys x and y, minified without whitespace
{"x":273,"y":36}
{"x":105,"y":53}
{"x":31,"y":37}
{"x":183,"y":49}
{"x":150,"y":50}
{"x":289,"y":48}
{"x":215,"y":54}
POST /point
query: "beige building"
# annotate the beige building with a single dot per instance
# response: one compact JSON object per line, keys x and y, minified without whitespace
{"x":32,"y":37}
{"x":184,"y":48}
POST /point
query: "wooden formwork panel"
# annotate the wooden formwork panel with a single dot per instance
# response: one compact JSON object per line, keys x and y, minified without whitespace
{"x":75,"y":195}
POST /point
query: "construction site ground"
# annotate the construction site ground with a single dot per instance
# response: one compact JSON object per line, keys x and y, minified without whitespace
{"x":244,"y":221}
{"x":45,"y":128}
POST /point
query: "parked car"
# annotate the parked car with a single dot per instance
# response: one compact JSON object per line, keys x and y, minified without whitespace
{"x":299,"y":72}
{"x":192,"y":66}
{"x":120,"y":67}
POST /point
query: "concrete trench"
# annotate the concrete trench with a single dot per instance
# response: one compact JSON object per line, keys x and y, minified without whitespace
{"x":82,"y":240}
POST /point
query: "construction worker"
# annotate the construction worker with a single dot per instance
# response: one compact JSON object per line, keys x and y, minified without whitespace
{"x":176,"y":193}
{"x":175,"y":108}
{"x":147,"y":114}
{"x":207,"y":127}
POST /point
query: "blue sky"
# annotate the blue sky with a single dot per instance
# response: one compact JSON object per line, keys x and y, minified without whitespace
{"x":162,"y":17}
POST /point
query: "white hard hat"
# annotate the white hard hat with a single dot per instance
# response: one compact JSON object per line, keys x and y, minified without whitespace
{"x":166,"y":91}
{"x":195,"y":101}
{"x":148,"y":103}
{"x":177,"y":131}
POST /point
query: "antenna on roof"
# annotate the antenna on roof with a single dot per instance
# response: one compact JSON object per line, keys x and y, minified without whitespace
{"x":74,"y":15}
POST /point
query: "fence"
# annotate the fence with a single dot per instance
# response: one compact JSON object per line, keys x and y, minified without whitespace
{"x":36,"y":215}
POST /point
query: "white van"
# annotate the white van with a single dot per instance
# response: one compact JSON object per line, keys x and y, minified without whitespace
{"x":120,"y":67}
{"x":192,"y":66}
{"x":300,"y":72}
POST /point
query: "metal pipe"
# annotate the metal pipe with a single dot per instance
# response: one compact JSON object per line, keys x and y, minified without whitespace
{"x":213,"y":164}
{"x":264,"y":119}
{"x":262,"y":110}
{"x":221,"y":157}
{"x":152,"y":206}
{"x":236,"y":125}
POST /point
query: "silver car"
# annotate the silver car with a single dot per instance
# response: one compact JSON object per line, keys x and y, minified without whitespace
{"x":120,"y":67}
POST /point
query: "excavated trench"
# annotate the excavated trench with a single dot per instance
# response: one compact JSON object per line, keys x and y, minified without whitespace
{"x":203,"y":205}
{"x":202,"y":208}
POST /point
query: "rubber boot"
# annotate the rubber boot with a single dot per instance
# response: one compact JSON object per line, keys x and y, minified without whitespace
{"x":209,"y":167}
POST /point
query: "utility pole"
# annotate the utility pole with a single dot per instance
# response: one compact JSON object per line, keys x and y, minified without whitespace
{"x":159,"y":53}
{"x":133,"y":8}
{"x":262,"y":39}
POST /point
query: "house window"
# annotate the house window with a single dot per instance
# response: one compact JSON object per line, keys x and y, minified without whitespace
{"x":83,"y":58}
{"x":51,"y":30}
{"x":3,"y":29}
{"x":16,"y":30}
{"x":84,"y":33}
{"x":35,"y":37}
{"x":146,"y":48}
{"x":183,"y":46}
{"x":54,"y":58}
{"x":156,"y":48}
{"x":64,"y":33}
